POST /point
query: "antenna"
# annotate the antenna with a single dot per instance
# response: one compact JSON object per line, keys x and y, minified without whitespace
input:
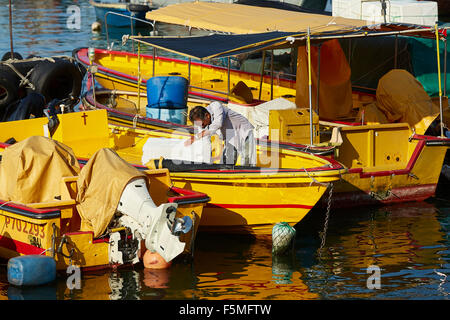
{"x":10,"y":29}
{"x":383,"y":9}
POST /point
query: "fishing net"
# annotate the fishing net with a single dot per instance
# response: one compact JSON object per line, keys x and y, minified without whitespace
{"x":282,"y":237}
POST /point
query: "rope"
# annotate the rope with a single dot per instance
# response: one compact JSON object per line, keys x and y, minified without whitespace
{"x":23,"y":79}
{"x":7,"y":202}
{"x":136,"y":116}
{"x":34,"y":59}
{"x":314,"y":180}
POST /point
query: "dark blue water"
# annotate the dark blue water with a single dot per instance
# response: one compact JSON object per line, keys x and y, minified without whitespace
{"x":409,"y":243}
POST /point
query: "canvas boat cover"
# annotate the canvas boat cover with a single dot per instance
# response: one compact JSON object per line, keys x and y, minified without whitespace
{"x":31,"y":170}
{"x":216,"y":45}
{"x":403,"y":99}
{"x":334,"y":85}
{"x":238,"y":18}
{"x":100,"y":186}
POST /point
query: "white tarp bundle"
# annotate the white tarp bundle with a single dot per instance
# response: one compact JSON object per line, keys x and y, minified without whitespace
{"x":174,"y":149}
{"x":259,"y":115}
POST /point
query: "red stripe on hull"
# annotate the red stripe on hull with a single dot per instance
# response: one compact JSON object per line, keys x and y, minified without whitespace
{"x":258,"y":206}
{"x":19,"y":246}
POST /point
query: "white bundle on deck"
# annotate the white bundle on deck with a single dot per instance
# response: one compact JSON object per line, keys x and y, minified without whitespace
{"x":174,"y":149}
{"x":259,"y":115}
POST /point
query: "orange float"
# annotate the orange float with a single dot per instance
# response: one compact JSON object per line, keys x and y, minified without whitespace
{"x":153,"y":260}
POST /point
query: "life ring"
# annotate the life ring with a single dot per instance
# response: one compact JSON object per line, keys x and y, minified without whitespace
{"x":56,"y":80}
{"x":16,"y":56}
{"x":9,"y":88}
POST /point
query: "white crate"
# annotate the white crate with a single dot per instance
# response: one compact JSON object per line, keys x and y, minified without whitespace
{"x":415,"y":12}
{"x":406,"y":11}
{"x":347,"y":8}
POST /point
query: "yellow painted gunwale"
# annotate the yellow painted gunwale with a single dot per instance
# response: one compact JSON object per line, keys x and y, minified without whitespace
{"x":118,"y":71}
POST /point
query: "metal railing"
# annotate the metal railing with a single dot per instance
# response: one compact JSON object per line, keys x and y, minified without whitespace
{"x":131,"y":24}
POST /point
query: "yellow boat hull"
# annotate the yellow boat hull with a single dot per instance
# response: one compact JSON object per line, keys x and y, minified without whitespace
{"x":240,"y":205}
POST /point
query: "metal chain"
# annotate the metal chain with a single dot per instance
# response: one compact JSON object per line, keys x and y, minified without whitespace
{"x":323,"y":234}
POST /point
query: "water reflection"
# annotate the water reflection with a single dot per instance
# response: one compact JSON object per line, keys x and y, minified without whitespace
{"x":124,"y":285}
{"x":156,"y":278}
{"x":47,"y":292}
{"x":407,"y":242}
{"x":234,"y":268}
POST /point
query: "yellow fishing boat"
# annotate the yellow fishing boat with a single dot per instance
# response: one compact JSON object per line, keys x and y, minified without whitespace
{"x":48,"y":212}
{"x":283,"y":187}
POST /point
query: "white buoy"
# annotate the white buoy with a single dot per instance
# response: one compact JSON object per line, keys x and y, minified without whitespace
{"x":282,"y":237}
{"x":96,"y":27}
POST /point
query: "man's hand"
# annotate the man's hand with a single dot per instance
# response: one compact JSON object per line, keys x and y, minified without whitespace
{"x":189,"y":141}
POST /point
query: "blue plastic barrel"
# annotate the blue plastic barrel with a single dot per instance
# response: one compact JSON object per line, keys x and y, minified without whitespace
{"x":167,"y":92}
{"x":31,"y":270}
{"x":167,"y":98}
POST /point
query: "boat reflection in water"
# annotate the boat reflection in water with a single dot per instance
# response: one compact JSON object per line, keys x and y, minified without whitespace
{"x":408,"y":242}
{"x":124,"y":286}
{"x":238,"y":269}
{"x":156,"y":278}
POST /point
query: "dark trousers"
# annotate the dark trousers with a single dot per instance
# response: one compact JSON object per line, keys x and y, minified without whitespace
{"x":230,"y":154}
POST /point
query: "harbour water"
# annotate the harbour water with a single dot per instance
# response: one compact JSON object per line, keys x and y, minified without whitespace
{"x":336,"y":256}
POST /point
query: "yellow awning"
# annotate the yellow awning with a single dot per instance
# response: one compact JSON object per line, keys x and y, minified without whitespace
{"x":238,"y":18}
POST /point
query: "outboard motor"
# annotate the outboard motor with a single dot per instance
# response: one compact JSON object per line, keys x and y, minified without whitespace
{"x":157,"y":225}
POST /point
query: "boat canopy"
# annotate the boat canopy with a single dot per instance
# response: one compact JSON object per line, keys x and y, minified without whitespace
{"x":216,"y":45}
{"x":233,"y":18}
{"x":225,"y":45}
{"x":239,"y":18}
